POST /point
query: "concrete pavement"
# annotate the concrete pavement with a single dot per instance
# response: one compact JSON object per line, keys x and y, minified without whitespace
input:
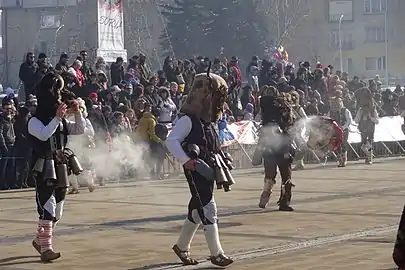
{"x":345,"y":218}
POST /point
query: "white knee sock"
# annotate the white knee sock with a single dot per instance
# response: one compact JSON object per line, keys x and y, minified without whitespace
{"x":186,"y":235}
{"x":212,"y":237}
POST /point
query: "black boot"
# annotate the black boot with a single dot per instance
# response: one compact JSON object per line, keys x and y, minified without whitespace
{"x":399,"y":248}
{"x":285,"y":197}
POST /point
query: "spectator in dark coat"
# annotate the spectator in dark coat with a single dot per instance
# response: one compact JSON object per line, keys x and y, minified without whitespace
{"x":27,"y":74}
{"x":117,"y":71}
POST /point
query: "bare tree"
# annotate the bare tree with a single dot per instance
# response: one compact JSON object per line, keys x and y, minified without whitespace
{"x":285,"y":16}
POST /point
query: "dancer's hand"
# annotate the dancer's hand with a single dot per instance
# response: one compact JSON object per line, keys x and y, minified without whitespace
{"x":190,"y":165}
{"x":61,"y":111}
{"x":75,"y":106}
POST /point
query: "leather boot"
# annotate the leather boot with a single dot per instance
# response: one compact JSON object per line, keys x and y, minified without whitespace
{"x":369,"y":158}
{"x":49,"y":255}
{"x":36,"y":246}
{"x":267,"y":190}
{"x":343,"y":160}
{"x":285,"y":197}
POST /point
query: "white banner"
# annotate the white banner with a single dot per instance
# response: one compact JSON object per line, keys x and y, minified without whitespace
{"x":388,"y":129}
{"x":111,"y":30}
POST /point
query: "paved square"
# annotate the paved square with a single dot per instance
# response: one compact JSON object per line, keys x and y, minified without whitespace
{"x":345,"y":218}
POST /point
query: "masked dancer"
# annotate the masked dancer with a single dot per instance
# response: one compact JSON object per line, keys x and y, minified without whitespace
{"x":277,"y":147}
{"x":194,"y":130}
{"x":366,"y":118}
{"x":343,"y":118}
{"x":48,"y":131}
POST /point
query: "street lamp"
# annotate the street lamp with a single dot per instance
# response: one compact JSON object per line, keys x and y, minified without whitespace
{"x":340,"y":43}
{"x":56,"y":35}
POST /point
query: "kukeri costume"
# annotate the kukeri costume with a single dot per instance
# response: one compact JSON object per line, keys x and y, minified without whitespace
{"x":277,"y":149}
{"x":51,"y":160}
{"x":194,"y":138}
{"x":366,"y":118}
{"x":343,"y":118}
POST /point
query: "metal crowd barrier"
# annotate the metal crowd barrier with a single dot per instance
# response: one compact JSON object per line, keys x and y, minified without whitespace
{"x":242,"y":155}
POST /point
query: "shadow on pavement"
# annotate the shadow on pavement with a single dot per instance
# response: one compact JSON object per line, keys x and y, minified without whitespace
{"x":17,"y":260}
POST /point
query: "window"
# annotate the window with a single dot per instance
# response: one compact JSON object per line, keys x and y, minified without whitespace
{"x":50,"y":21}
{"x":80,"y":18}
{"x":347,"y":40}
{"x":43,"y":47}
{"x":375,"y":63}
{"x":349,"y":65}
{"x":374,"y":6}
{"x":375,"y":34}
{"x":339,"y":7}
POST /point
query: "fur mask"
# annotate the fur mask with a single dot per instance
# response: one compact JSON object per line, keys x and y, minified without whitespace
{"x":206,"y":97}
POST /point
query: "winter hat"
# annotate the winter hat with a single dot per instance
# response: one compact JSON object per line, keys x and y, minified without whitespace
{"x":249,"y":108}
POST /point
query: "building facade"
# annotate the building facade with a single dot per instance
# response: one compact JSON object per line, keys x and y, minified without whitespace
{"x":371,"y":36}
{"x":56,"y":26}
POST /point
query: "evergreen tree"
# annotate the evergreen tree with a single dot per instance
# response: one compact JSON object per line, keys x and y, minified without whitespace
{"x":239,"y":28}
{"x":185,"y":28}
{"x":206,"y":27}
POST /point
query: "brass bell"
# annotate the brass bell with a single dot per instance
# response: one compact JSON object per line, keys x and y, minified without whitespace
{"x":75,"y":165}
{"x":62,"y":174}
{"x":219,"y":172}
{"x":49,"y":169}
{"x":39,"y":165}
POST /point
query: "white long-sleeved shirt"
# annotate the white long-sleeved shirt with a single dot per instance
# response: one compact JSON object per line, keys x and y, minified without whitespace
{"x":167,"y":109}
{"x":179,"y":132}
{"x":360,"y":115}
{"x":37,"y":129}
{"x":349,"y":119}
{"x":76,"y":142}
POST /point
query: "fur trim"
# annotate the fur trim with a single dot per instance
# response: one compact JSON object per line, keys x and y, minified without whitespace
{"x":206,"y":97}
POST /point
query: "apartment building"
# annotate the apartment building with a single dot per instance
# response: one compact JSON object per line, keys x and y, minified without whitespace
{"x":56,"y":26}
{"x":371,"y":36}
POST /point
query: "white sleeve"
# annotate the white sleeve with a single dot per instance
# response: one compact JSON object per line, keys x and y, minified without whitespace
{"x":179,"y":132}
{"x":37,"y":129}
{"x":78,"y":126}
{"x":89,"y":130}
{"x":349,"y":119}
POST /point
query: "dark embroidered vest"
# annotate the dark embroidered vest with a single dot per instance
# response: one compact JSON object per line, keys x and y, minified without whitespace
{"x":203,"y":135}
{"x":58,"y":139}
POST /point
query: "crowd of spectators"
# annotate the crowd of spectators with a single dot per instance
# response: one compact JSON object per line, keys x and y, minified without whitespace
{"x":132,"y":99}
